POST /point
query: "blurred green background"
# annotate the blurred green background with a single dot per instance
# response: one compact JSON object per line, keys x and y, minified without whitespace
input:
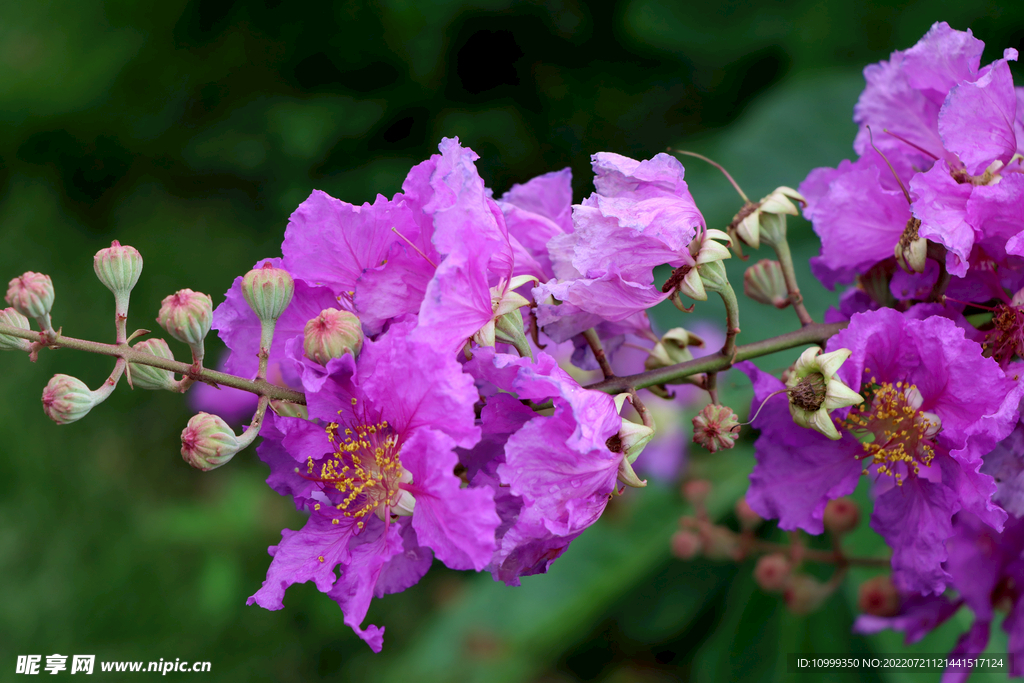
{"x":191,"y":130}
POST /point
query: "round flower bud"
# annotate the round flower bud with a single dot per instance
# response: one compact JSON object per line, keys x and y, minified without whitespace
{"x":9,"y":316}
{"x":332,"y":334}
{"x":878,"y":596}
{"x":716,"y":427}
{"x":841,"y":516}
{"x":749,"y":520}
{"x":31,"y":294}
{"x":721,"y":544}
{"x":207,"y":442}
{"x":118,"y":267}
{"x":805,"y":594}
{"x":149,"y":377}
{"x":771,"y":572}
{"x":268,"y":291}
{"x":763,"y":282}
{"x":696,"y":491}
{"x":686,"y":544}
{"x":186,"y":315}
{"x":67,"y":399}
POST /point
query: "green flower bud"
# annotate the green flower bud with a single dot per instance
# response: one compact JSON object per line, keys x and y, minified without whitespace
{"x":31,"y":294}
{"x":207,"y":442}
{"x":332,"y":334}
{"x":268,"y":291}
{"x":764,"y":282}
{"x":186,"y":315}
{"x":149,"y":377}
{"x":9,"y":316}
{"x":67,"y":399}
{"x":672,"y":349}
{"x":118,"y":267}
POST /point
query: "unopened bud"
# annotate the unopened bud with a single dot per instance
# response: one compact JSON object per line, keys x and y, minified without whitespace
{"x":841,"y":516}
{"x":9,"y":316}
{"x":805,"y":594}
{"x":332,"y":334}
{"x":118,"y":267}
{"x":764,"y":282}
{"x":207,"y":442}
{"x":268,"y":291}
{"x":716,"y":427}
{"x":149,"y":377}
{"x":696,"y":491}
{"x":31,"y":294}
{"x":878,"y":596}
{"x":289,"y":409}
{"x":912,"y":250}
{"x":772,"y":572}
{"x":721,"y":544}
{"x":67,"y":399}
{"x":686,"y":544}
{"x":672,"y":348}
{"x":748,"y":519}
{"x":187,"y":315}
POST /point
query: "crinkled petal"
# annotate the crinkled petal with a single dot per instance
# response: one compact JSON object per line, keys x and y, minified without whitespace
{"x":977,"y":119}
{"x":310,"y":554}
{"x":414,"y":384}
{"x":915,"y":520}
{"x":941,"y":59}
{"x":456,"y":523}
{"x":941,"y":205}
{"x":798,"y":470}
{"x":331,"y":242}
{"x":371,"y":551}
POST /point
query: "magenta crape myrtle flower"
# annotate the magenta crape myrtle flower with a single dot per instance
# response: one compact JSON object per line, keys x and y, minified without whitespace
{"x":933,"y":407}
{"x":376,"y":475}
{"x":950,"y":129}
{"x":553,"y":473}
{"x":987,"y":572}
{"x":641,"y":216}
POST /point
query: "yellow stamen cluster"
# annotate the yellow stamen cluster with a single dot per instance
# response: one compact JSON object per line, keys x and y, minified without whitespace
{"x":895,"y":430}
{"x":364,"y":468}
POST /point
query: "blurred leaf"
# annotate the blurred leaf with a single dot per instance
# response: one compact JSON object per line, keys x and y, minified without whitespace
{"x":496,"y":633}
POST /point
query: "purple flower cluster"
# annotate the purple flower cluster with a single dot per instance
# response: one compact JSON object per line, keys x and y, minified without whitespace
{"x":939,"y":143}
{"x":452,"y":434}
{"x":928,"y":223}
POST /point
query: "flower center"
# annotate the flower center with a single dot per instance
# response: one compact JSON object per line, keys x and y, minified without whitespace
{"x":809,"y":393}
{"x":1006,"y":337}
{"x":893,"y":431}
{"x":364,"y":474}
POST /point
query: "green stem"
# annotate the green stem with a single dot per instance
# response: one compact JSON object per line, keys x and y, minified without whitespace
{"x":789,"y":274}
{"x":260,"y":387}
{"x":815,"y":333}
{"x":250,"y":434}
{"x":732,"y":319}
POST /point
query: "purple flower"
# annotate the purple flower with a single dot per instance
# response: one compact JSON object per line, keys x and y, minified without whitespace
{"x":641,"y":216}
{"x":535,"y":213}
{"x":557,"y":471}
{"x":950,"y":130}
{"x":376,"y":475}
{"x":987,"y":571}
{"x":933,"y":406}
